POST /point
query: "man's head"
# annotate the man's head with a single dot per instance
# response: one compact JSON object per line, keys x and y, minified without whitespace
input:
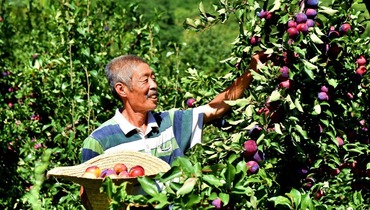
{"x":131,"y":79}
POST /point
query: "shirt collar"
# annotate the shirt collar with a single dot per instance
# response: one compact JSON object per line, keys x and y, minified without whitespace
{"x":127,"y":127}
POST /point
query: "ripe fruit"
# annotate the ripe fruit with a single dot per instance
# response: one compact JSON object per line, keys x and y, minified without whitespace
{"x":136,"y":171}
{"x":361,"y":70}
{"x":94,"y":169}
{"x":250,"y":147}
{"x":252,"y":167}
{"x":301,"y":18}
{"x":340,"y":141}
{"x":311,"y":13}
{"x":107,"y":172}
{"x":259,"y":156}
{"x":303,"y":27}
{"x":124,"y":174}
{"x":324,"y":89}
{"x":119,"y":167}
{"x":292,"y":23}
{"x":285,"y":84}
{"x":361,"y":61}
{"x":284,"y":73}
{"x":255,"y":40}
{"x":293,"y":32}
{"x":344,"y":28}
{"x":89,"y":175}
{"x":310,"y":23}
{"x":312,"y":3}
{"x":335,"y":171}
{"x":323,"y":96}
{"x":217,"y":203}
{"x":190,"y":102}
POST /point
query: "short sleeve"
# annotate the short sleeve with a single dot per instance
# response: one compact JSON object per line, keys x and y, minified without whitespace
{"x":91,"y":148}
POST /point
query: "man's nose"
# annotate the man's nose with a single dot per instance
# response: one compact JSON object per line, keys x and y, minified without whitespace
{"x":153,"y":84}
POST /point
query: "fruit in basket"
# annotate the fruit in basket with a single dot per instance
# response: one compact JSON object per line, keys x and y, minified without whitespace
{"x":119,"y":167}
{"x":93,"y":169}
{"x":89,"y":175}
{"x":124,"y":174}
{"x":136,"y":171}
{"x":107,"y":172}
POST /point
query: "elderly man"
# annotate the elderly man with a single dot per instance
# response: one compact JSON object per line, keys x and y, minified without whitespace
{"x":135,"y":126}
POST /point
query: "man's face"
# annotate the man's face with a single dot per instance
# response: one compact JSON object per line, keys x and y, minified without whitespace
{"x":143,"y":96}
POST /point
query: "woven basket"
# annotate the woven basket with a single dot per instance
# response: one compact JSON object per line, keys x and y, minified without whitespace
{"x":151,"y":164}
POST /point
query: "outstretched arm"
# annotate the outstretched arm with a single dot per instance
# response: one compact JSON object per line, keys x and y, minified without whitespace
{"x":217,"y":107}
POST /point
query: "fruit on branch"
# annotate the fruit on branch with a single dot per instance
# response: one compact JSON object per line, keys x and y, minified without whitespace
{"x":361,"y":61}
{"x":302,"y":27}
{"x":250,"y":148}
{"x":190,"y":102}
{"x":252,"y":167}
{"x":217,"y":203}
{"x":344,"y":28}
{"x":293,"y":32}
{"x":301,"y":18}
{"x":323,"y":96}
{"x":311,"y":13}
{"x":312,"y":3}
{"x":361,"y":70}
{"x":255,"y":40}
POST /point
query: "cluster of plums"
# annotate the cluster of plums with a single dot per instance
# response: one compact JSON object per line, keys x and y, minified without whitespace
{"x":252,"y":154}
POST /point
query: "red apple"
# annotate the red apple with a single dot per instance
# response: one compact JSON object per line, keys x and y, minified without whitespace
{"x":136,"y":171}
{"x":119,"y":167}
{"x":94,"y":169}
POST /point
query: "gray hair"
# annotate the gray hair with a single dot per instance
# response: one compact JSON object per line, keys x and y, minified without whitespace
{"x":121,"y":69}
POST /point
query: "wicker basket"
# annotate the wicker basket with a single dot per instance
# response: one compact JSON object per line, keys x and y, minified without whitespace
{"x":151,"y":164}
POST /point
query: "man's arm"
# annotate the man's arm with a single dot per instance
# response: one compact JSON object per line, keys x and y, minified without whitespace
{"x":217,"y":107}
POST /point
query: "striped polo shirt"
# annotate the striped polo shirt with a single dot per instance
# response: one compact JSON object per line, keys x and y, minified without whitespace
{"x":169,"y":134}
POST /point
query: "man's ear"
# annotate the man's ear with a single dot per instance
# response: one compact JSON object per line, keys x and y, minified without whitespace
{"x":121,"y":89}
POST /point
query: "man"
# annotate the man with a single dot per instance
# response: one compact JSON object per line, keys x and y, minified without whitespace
{"x":135,"y":126}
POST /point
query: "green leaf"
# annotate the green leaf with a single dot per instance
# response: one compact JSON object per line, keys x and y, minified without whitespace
{"x":316,"y":39}
{"x":276,"y":4}
{"x":281,"y":200}
{"x":160,"y":200}
{"x":275,"y":96}
{"x":212,"y":180}
{"x":306,"y":202}
{"x":327,"y":10}
{"x":258,"y":77}
{"x":187,"y":187}
{"x":295,"y":196}
{"x":174,"y":172}
{"x":301,"y":131}
{"x":298,"y":105}
{"x":229,"y":175}
{"x":317,"y":109}
{"x":148,"y":185}
{"x":201,"y":9}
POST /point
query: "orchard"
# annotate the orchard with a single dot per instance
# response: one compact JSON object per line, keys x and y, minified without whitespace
{"x":298,"y":139}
